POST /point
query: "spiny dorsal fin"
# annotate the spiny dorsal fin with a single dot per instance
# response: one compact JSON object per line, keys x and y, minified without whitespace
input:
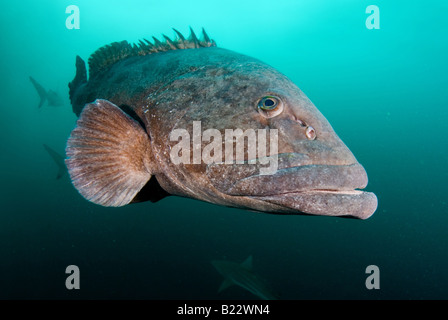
{"x":107,"y":55}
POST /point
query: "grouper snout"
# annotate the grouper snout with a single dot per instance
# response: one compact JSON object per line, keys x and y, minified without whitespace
{"x":331,"y":190}
{"x":321,"y":190}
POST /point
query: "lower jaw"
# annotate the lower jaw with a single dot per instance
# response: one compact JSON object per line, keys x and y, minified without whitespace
{"x":350,"y":203}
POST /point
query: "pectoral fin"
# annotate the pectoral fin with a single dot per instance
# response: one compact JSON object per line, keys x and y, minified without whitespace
{"x":108,"y":155}
{"x":225,"y":284}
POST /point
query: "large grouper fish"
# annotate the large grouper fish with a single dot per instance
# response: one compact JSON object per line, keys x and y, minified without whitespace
{"x":145,"y":102}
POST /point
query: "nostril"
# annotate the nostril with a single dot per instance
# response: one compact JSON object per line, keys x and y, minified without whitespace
{"x":310,"y":133}
{"x":303,"y":124}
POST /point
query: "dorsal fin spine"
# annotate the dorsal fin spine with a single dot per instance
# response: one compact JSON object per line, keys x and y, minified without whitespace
{"x":180,"y":35}
{"x":193,"y":38}
{"x":206,"y":38}
{"x":172,"y":44}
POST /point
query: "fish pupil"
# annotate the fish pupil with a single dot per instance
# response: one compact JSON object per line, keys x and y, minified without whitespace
{"x":269,"y":102}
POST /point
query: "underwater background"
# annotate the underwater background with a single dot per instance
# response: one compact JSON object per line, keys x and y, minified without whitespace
{"x":384,"y":91}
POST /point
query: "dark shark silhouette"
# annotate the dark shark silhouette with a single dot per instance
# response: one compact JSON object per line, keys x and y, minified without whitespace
{"x":51,"y":96}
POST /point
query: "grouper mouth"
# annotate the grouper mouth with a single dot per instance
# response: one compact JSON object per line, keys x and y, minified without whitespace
{"x":316,"y":189}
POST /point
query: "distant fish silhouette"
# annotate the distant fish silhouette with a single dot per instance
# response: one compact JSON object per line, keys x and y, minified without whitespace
{"x":241,"y":274}
{"x":59,"y":160}
{"x":51,"y":96}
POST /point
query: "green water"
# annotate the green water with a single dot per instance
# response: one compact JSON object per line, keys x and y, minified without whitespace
{"x":384,"y":92}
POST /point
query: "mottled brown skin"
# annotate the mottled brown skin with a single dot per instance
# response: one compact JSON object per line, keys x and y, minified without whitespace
{"x":221,"y":88}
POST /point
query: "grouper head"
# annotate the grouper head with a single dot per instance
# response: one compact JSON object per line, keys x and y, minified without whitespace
{"x":223,"y":128}
{"x":306,"y":167}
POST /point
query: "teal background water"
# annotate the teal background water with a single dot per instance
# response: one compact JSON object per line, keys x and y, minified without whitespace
{"x":384,"y":92}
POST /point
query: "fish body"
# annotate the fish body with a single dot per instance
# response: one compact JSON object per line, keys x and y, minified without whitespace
{"x":142,"y":102}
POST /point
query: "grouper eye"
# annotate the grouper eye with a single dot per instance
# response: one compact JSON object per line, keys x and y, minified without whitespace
{"x":270,"y":106}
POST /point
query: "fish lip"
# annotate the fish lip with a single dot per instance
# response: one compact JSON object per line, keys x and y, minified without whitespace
{"x":355,"y":204}
{"x":317,"y":189}
{"x":341,"y":197}
{"x":327,"y":178}
{"x":333,"y":191}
